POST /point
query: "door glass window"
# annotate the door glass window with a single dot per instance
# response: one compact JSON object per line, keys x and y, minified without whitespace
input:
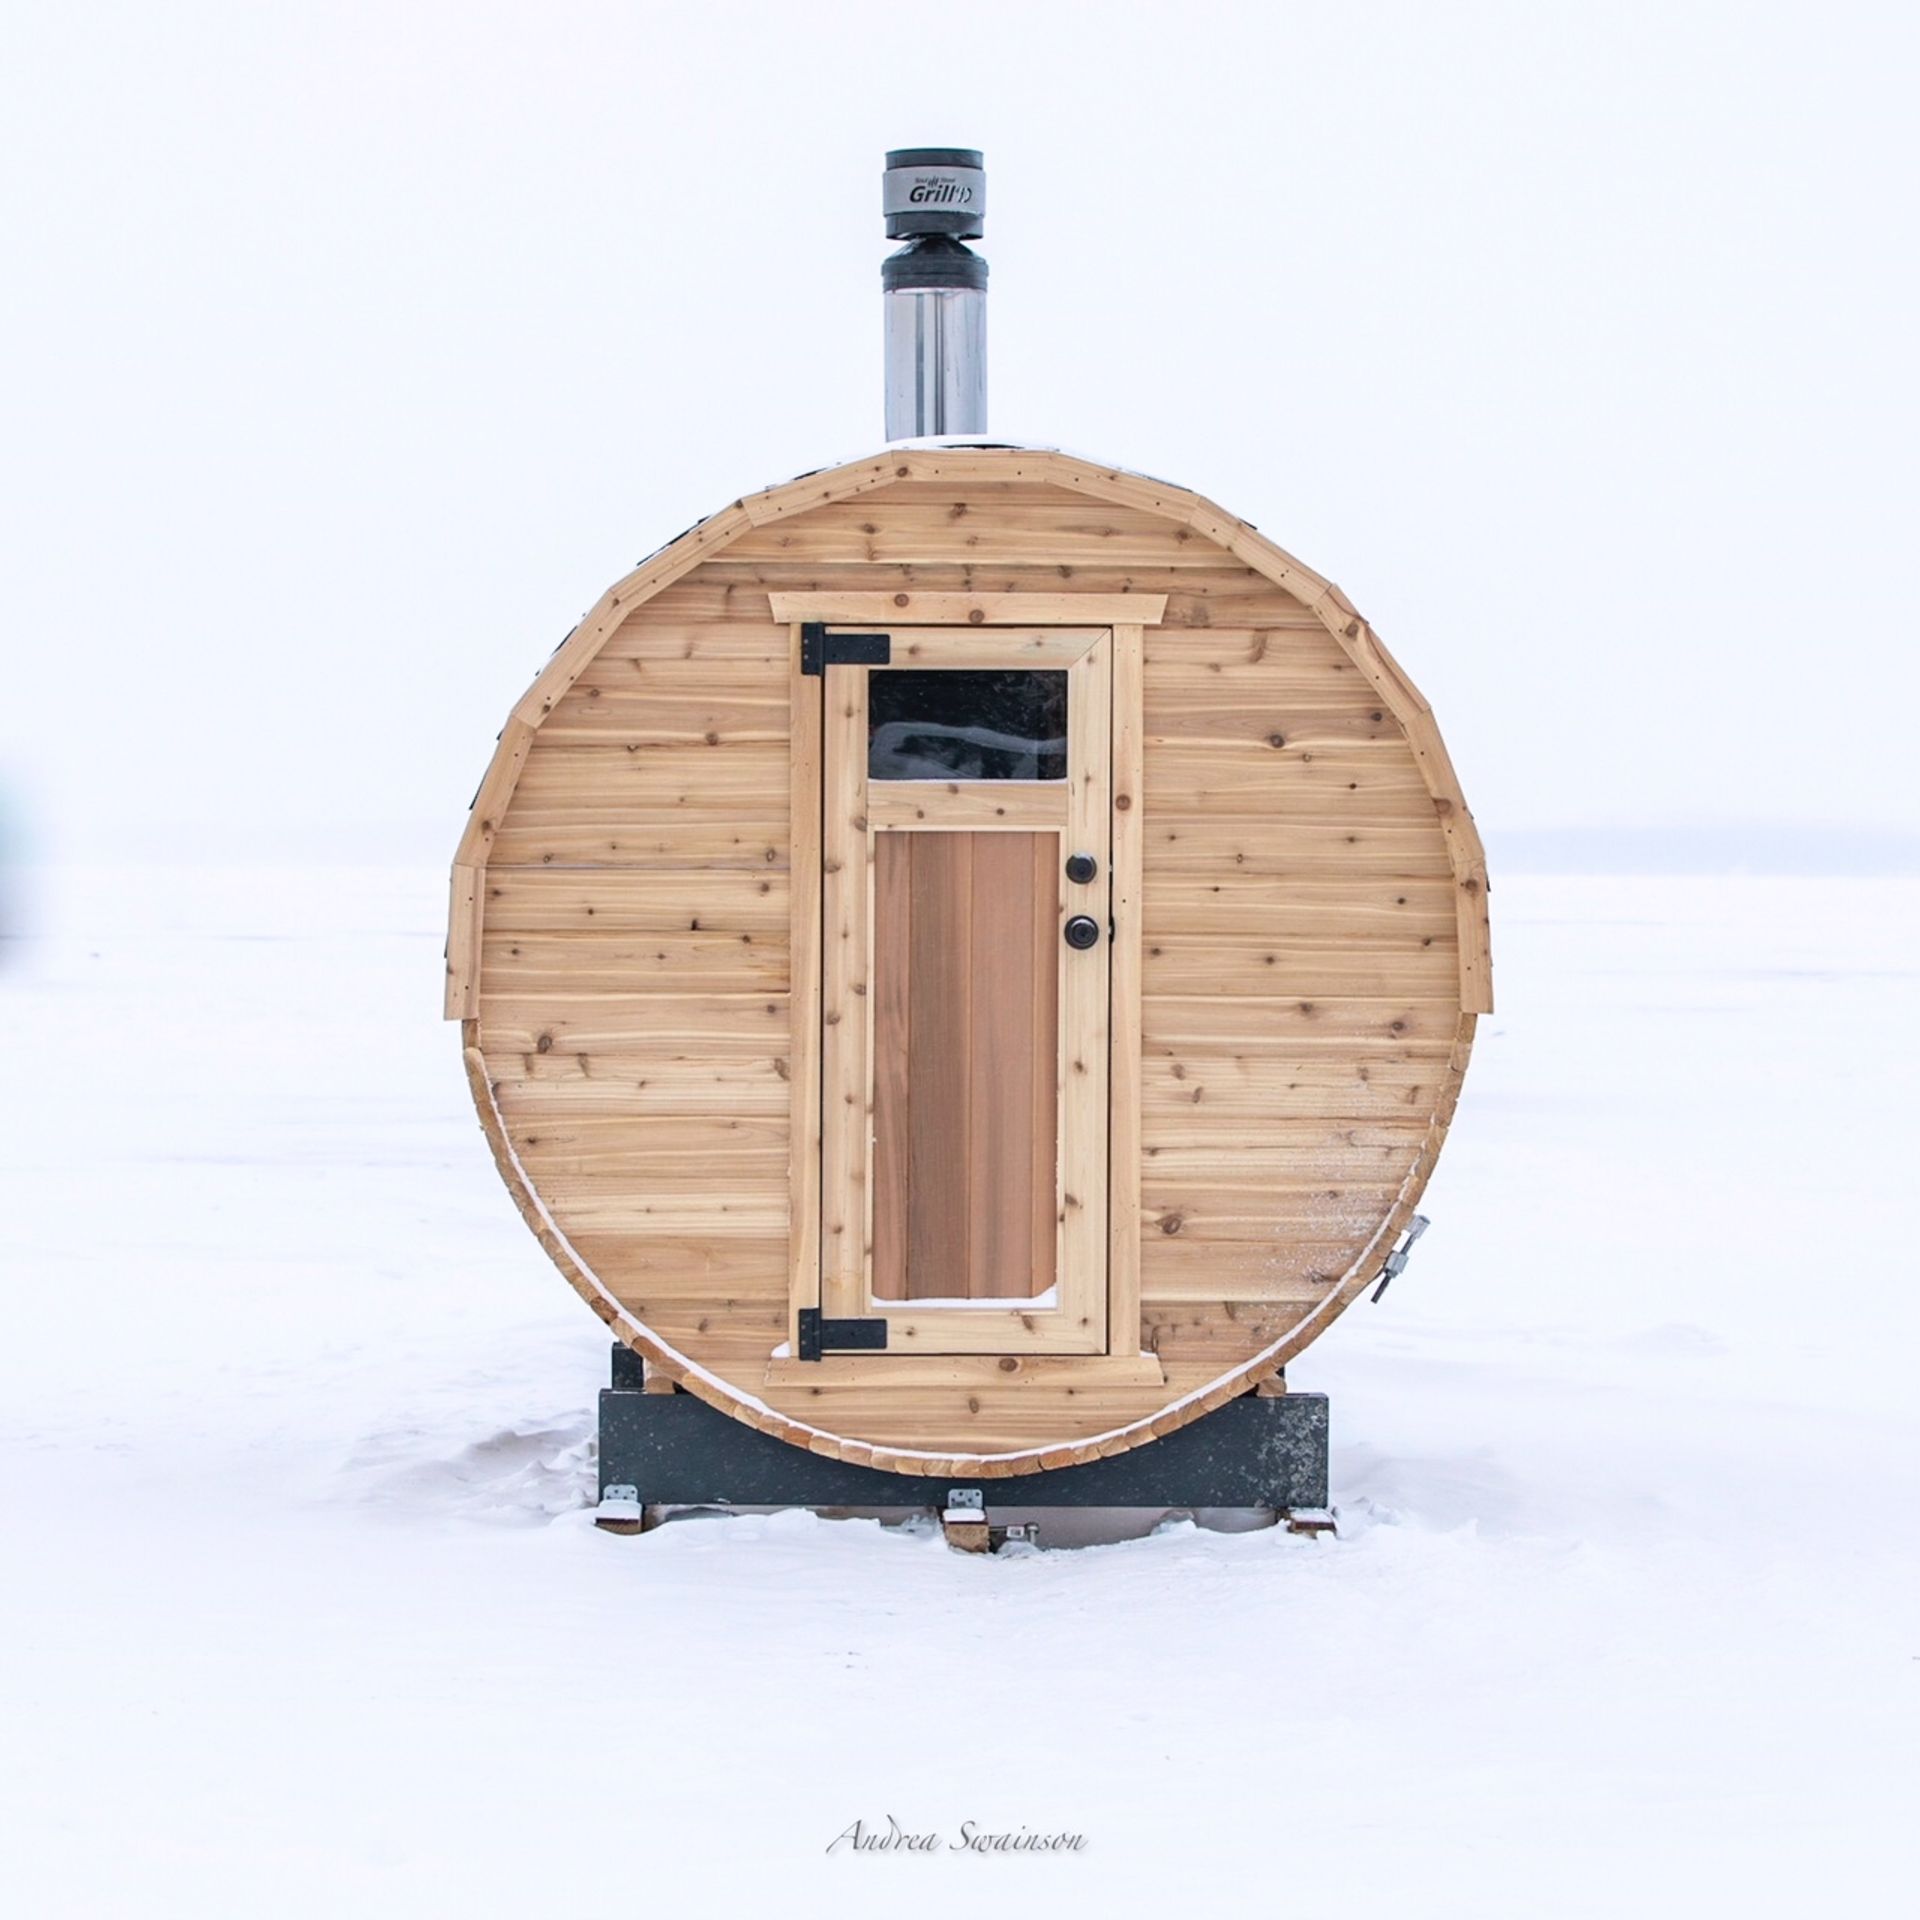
{"x":966,"y":724}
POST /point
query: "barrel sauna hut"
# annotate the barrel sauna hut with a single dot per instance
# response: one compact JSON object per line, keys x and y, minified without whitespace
{"x":966,"y":959}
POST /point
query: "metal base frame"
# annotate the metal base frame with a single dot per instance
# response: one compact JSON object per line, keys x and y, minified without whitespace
{"x":672,"y":1450}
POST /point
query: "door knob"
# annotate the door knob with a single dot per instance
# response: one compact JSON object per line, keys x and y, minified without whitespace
{"x":1081,"y":867}
{"x":1082,"y":932}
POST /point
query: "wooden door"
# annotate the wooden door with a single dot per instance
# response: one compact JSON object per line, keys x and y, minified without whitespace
{"x":965,"y":921}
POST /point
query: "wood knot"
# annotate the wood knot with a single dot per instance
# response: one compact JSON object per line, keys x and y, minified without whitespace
{"x":544,"y":1044}
{"x":900,"y":599}
{"x":1172,"y":1223}
{"x":1276,"y":739}
{"x":976,"y":616}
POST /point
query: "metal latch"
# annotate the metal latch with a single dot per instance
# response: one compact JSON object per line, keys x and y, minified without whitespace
{"x":820,"y":649}
{"x":819,"y":1335}
{"x":1396,"y":1261}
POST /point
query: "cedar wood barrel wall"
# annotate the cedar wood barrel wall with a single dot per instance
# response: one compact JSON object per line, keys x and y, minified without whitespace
{"x":1312,"y":947}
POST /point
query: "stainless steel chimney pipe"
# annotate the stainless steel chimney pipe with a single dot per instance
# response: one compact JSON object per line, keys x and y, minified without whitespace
{"x":935,"y":198}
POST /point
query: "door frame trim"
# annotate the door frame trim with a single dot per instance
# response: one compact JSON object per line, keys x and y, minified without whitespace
{"x":973,"y":609}
{"x":1076,"y":1320}
{"x":804,"y":1146}
{"x":1125,"y":961}
{"x":811,"y":695}
{"x":1124,"y":1018}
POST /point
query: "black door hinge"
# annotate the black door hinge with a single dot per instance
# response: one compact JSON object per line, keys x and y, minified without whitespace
{"x":820,"y":649}
{"x":818,"y":1335}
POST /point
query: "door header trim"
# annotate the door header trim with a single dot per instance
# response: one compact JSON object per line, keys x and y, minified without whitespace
{"x":975,"y":609}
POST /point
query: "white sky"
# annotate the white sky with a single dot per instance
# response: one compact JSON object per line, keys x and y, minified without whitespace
{"x":352,"y":351}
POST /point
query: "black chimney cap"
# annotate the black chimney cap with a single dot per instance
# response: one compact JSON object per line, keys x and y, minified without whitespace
{"x":935,"y":190}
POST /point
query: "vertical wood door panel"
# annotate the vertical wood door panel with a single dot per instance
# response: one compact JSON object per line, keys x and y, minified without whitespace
{"x":939,"y":1062}
{"x":892,"y":1133}
{"x":1041,"y":1229}
{"x":999,"y":1160}
{"x":966,"y":966}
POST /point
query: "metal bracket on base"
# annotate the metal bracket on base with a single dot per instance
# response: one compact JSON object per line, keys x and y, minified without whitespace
{"x":965,"y":1520}
{"x":620,"y":1510}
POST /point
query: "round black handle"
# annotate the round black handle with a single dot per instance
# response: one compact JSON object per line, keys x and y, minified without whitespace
{"x":1081,"y":867}
{"x":1082,"y":931}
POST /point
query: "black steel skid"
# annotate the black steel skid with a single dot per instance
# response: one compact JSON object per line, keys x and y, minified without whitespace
{"x":674,"y":1450}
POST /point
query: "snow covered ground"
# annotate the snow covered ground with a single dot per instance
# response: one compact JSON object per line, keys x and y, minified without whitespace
{"x":303,"y":1613}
